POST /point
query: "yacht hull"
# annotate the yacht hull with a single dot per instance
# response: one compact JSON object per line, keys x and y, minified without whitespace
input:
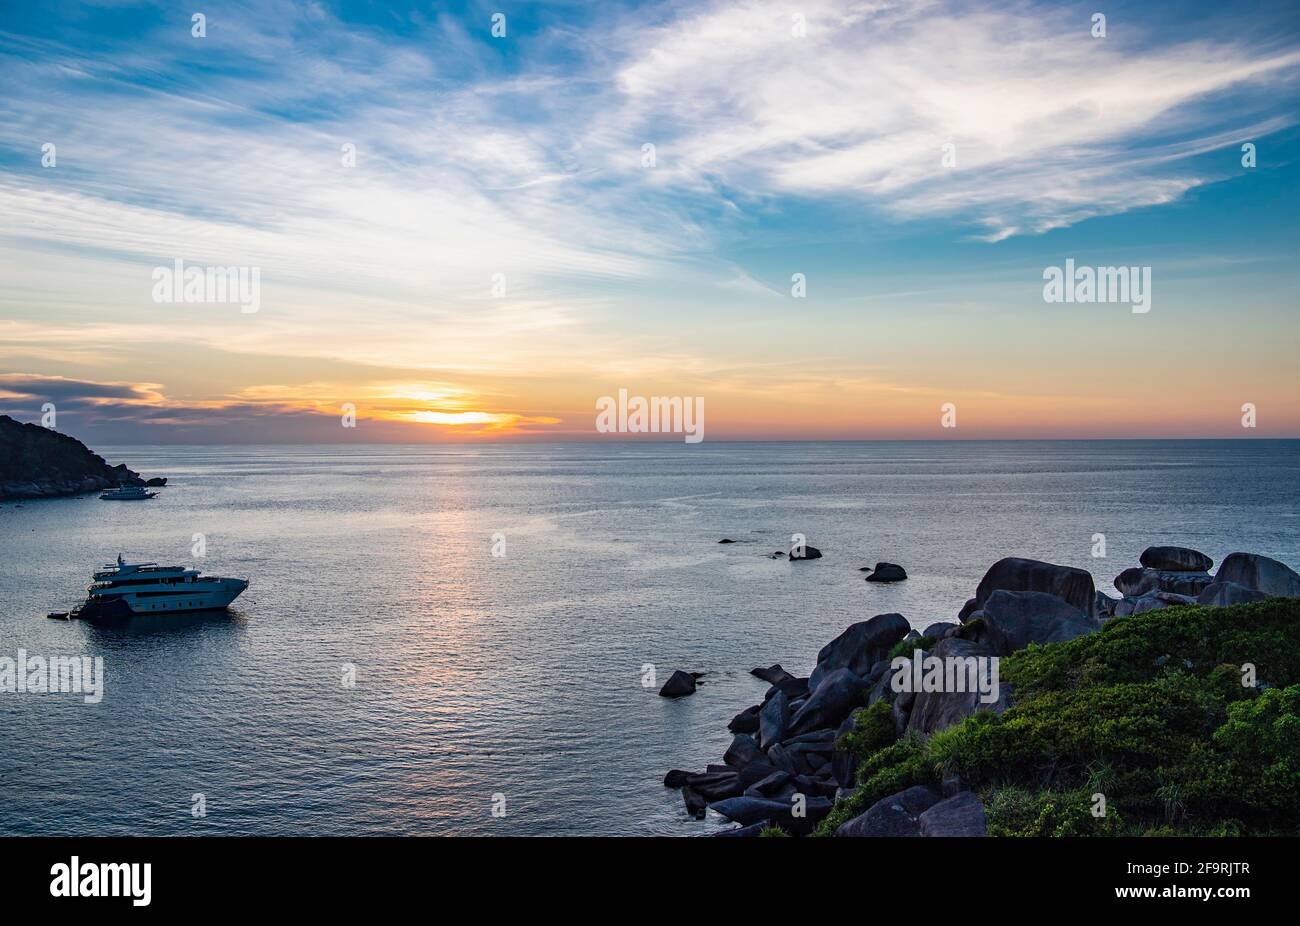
{"x":130,"y":604}
{"x":125,"y":589}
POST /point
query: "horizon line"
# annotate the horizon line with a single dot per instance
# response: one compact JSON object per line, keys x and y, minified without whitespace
{"x":796,"y":440}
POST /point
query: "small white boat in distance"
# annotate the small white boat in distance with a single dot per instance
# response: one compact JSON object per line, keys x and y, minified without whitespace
{"x":127,"y":494}
{"x":125,"y":589}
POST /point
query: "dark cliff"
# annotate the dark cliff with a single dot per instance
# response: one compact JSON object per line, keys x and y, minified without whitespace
{"x":36,"y":462}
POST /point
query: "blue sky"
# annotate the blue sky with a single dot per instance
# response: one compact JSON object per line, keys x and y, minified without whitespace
{"x":777,"y":151}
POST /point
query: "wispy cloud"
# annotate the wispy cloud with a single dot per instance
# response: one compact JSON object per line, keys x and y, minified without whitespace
{"x":519,"y":164}
{"x":1050,"y":126}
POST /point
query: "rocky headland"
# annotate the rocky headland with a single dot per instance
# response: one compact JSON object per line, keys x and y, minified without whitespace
{"x":36,"y":462}
{"x":1173,"y":709}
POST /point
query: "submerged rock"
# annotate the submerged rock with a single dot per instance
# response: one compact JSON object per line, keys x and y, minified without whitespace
{"x":887,"y":572}
{"x":808,"y":552}
{"x":773,"y":674}
{"x":679,"y":685}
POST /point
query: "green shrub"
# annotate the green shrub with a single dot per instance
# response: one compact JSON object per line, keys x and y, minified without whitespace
{"x":907,"y":647}
{"x":1149,"y":711}
{"x":873,"y":730}
{"x":889,"y":771}
{"x":1254,"y":760}
{"x":1014,"y":811}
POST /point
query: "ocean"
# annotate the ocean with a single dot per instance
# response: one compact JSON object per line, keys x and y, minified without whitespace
{"x":507,"y":694}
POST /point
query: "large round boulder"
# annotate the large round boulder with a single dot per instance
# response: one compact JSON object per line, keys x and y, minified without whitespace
{"x":1014,"y":574}
{"x":1223,"y":594}
{"x":837,"y":695}
{"x":1277,"y":580}
{"x":1175,"y":559}
{"x":1140,"y":580}
{"x":1136,"y":581}
{"x":896,"y":815}
{"x":860,"y":646}
{"x":742,"y":751}
{"x":939,"y":629}
{"x":960,"y":815}
{"x":1183,"y":583}
{"x":937,"y":710}
{"x":1013,"y":620}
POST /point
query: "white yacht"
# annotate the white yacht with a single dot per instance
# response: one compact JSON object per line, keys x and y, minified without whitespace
{"x":123,"y":589}
{"x":127,"y":494}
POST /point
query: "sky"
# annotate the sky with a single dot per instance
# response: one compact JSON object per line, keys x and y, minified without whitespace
{"x":827,"y":220}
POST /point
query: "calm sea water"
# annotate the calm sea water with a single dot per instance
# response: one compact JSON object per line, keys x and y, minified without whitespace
{"x":521,"y":676}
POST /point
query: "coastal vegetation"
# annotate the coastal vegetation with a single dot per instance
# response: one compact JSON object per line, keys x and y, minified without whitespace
{"x":1185,"y":720}
{"x":1046,"y":709}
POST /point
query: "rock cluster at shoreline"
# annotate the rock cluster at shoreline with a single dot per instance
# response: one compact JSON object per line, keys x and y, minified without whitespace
{"x":36,"y":462}
{"x":787,"y":763}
